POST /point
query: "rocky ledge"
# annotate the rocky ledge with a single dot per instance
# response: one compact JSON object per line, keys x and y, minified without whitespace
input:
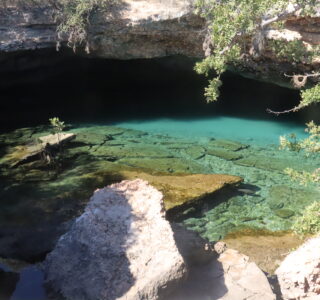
{"x":148,"y":29}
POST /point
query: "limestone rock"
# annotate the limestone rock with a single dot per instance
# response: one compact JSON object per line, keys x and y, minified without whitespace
{"x":148,"y":29}
{"x":228,"y":145}
{"x":130,"y":29}
{"x":121,"y":247}
{"x":57,"y":138}
{"x":223,"y":153}
{"x":195,"y":152}
{"x":230,"y":277}
{"x":243,"y":279}
{"x":272,"y":163}
{"x":26,"y":153}
{"x":181,"y":189}
{"x":282,"y":198}
{"x":171,"y":165}
{"x":299,"y":273}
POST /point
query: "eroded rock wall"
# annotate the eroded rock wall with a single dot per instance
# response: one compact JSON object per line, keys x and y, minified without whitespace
{"x":151,"y":28}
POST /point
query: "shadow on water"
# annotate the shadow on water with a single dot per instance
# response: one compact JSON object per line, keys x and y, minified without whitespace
{"x":196,"y":209}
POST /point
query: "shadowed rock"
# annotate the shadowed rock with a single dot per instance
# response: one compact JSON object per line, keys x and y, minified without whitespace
{"x":121,"y":247}
{"x":27,"y":153}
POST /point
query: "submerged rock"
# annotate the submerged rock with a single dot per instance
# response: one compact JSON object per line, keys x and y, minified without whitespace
{"x":223,"y":153}
{"x":228,"y":145}
{"x":27,"y":153}
{"x":284,"y":213}
{"x":195,"y":152}
{"x":299,"y":273}
{"x":184,"y":188}
{"x":285,"y":198}
{"x":121,"y":247}
{"x":171,"y":165}
{"x":268,"y":163}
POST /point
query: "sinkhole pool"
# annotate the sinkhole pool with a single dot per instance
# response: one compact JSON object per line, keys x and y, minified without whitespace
{"x":121,"y":130}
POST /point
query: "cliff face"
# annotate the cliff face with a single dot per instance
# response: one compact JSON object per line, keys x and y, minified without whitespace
{"x":148,"y":29}
{"x":130,"y":29}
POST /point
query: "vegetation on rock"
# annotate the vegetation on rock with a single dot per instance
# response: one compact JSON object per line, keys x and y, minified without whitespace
{"x":309,"y":222}
{"x":310,"y":145}
{"x":73,"y":17}
{"x":237,"y":33}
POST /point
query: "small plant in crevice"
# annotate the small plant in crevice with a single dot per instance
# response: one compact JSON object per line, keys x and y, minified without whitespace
{"x":53,"y":156}
{"x":57,"y":127}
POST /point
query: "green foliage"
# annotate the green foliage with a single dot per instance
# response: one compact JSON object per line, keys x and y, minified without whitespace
{"x":57,"y":125}
{"x":289,"y":143}
{"x":309,"y":222}
{"x":310,"y":96}
{"x":75,"y":16}
{"x":237,"y":30}
{"x":293,"y":51}
{"x":304,"y":177}
{"x":310,"y":145}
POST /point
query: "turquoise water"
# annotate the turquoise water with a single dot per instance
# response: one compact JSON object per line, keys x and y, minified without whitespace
{"x":256,"y":132}
{"x":37,"y":201}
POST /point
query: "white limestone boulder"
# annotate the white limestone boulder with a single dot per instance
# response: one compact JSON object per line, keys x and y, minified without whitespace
{"x":299,"y":273}
{"x":121,"y":247}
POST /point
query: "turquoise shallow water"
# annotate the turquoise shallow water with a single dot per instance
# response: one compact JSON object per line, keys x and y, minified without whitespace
{"x":256,"y":132}
{"x":270,"y":200}
{"x":37,"y":202}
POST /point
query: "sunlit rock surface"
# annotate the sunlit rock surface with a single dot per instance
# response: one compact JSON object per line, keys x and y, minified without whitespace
{"x":130,"y":29}
{"x":265,"y":248}
{"x":147,"y":29}
{"x":185,"y":189}
{"x":232,"y":276}
{"x":299,"y":273}
{"x":121,"y":247}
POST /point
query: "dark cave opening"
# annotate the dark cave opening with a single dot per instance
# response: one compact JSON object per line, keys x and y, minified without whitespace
{"x":40,"y":84}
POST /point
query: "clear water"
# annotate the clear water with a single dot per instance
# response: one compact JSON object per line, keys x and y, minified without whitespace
{"x":255,"y":132}
{"x":43,"y":201}
{"x":38,"y":202}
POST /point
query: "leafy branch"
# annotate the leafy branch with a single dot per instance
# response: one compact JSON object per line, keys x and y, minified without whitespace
{"x":238,"y":31}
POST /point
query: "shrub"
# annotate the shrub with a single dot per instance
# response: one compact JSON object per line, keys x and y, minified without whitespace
{"x":309,"y":222}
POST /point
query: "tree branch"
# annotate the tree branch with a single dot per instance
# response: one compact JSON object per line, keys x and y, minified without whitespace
{"x":290,"y":10}
{"x":277,"y":113}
